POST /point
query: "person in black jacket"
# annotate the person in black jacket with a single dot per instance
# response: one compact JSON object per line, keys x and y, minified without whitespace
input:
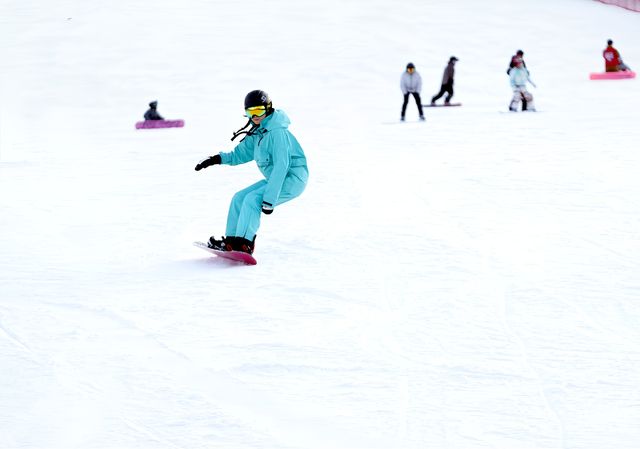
{"x":447,"y":82}
{"x":152,"y":113}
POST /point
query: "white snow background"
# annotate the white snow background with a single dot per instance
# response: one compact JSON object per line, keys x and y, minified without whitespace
{"x":468,"y":282}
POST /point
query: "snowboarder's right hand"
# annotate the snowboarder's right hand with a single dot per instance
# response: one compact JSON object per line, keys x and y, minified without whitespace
{"x":211,"y":160}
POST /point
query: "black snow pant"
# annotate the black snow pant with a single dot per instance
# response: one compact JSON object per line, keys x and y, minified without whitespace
{"x":446,"y":88}
{"x":416,"y":96}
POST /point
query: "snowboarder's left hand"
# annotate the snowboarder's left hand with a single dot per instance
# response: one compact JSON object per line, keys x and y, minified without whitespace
{"x":267,"y":208}
{"x":211,"y":160}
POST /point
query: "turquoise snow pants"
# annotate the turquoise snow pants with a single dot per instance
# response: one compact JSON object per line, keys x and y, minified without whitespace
{"x":246,"y":206}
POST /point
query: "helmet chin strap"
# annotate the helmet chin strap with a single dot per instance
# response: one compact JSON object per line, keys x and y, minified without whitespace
{"x":270,"y":111}
{"x":242,"y":130}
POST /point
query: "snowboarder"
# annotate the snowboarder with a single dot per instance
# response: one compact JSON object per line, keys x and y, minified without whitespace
{"x":152,"y":113}
{"x":411,"y":83}
{"x":612,"y":60}
{"x":519,"y":55}
{"x":519,"y":77}
{"x":279,"y":157}
{"x":447,"y":82}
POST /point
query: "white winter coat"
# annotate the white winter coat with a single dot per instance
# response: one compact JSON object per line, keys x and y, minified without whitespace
{"x":410,"y":82}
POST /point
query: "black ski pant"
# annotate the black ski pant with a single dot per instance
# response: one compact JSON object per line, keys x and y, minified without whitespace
{"x":445,"y":88}
{"x":416,"y":96}
{"x":524,"y":102}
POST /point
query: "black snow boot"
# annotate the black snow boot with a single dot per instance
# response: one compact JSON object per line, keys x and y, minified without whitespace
{"x":239,"y":244}
{"x":214,"y":243}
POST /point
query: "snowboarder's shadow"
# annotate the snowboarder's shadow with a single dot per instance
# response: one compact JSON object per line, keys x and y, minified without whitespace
{"x":213,"y":261}
{"x":193,"y":266}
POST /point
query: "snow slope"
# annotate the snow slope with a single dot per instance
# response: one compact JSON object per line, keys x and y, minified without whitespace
{"x":470,"y":282}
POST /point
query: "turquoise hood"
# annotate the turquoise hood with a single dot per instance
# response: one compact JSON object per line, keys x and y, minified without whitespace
{"x":277,"y":153}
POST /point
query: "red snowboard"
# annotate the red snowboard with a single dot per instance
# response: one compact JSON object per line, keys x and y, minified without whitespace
{"x":238,"y":256}
{"x":152,"y":124}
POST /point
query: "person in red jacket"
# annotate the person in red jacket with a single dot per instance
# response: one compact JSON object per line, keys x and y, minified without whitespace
{"x":519,"y":55}
{"x":612,"y":60}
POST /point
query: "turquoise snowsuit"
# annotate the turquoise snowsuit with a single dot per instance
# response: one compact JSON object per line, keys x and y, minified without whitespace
{"x":281,"y":160}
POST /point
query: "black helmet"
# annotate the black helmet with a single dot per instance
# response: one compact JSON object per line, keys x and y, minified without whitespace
{"x":254,"y":98}
{"x":258,"y":98}
{"x":153,"y":104}
{"x":411,"y":66}
{"x":609,"y":42}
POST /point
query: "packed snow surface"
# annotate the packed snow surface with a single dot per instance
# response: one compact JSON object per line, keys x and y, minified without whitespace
{"x":468,"y":282}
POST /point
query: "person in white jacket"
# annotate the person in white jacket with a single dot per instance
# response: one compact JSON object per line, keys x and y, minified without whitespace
{"x":411,"y":83}
{"x":519,"y":77}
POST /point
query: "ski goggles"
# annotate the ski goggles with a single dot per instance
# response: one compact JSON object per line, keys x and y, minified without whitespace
{"x":256,"y":111}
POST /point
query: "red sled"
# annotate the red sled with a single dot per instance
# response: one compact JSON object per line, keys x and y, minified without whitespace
{"x":627,"y":74}
{"x":152,"y":124}
{"x":443,"y":105}
{"x":238,"y":256}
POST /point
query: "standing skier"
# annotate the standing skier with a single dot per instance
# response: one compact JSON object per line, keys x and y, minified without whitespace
{"x":411,"y":83}
{"x":519,"y":77}
{"x":279,"y":157}
{"x":447,"y":82}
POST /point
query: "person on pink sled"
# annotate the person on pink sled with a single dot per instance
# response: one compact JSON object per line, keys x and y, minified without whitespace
{"x":281,"y":161}
{"x":152,"y":113}
{"x":612,"y":59}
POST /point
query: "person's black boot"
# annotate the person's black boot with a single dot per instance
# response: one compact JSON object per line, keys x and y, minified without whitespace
{"x":216,"y":244}
{"x":239,"y":244}
{"x":248,"y":245}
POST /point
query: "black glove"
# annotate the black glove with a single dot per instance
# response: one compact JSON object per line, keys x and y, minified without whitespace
{"x":267,"y":208}
{"x":211,"y":160}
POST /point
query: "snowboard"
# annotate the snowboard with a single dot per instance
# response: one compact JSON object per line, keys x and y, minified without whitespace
{"x":612,"y":75}
{"x":238,"y":256}
{"x":152,"y":124}
{"x":441,"y":105}
{"x":404,"y":121}
{"x":518,"y":111}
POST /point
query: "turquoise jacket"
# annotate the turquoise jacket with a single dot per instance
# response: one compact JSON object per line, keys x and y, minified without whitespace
{"x":519,"y":77}
{"x":277,"y":153}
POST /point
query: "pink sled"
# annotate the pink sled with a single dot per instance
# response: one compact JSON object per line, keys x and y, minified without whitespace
{"x":628,"y":74}
{"x":152,"y":124}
